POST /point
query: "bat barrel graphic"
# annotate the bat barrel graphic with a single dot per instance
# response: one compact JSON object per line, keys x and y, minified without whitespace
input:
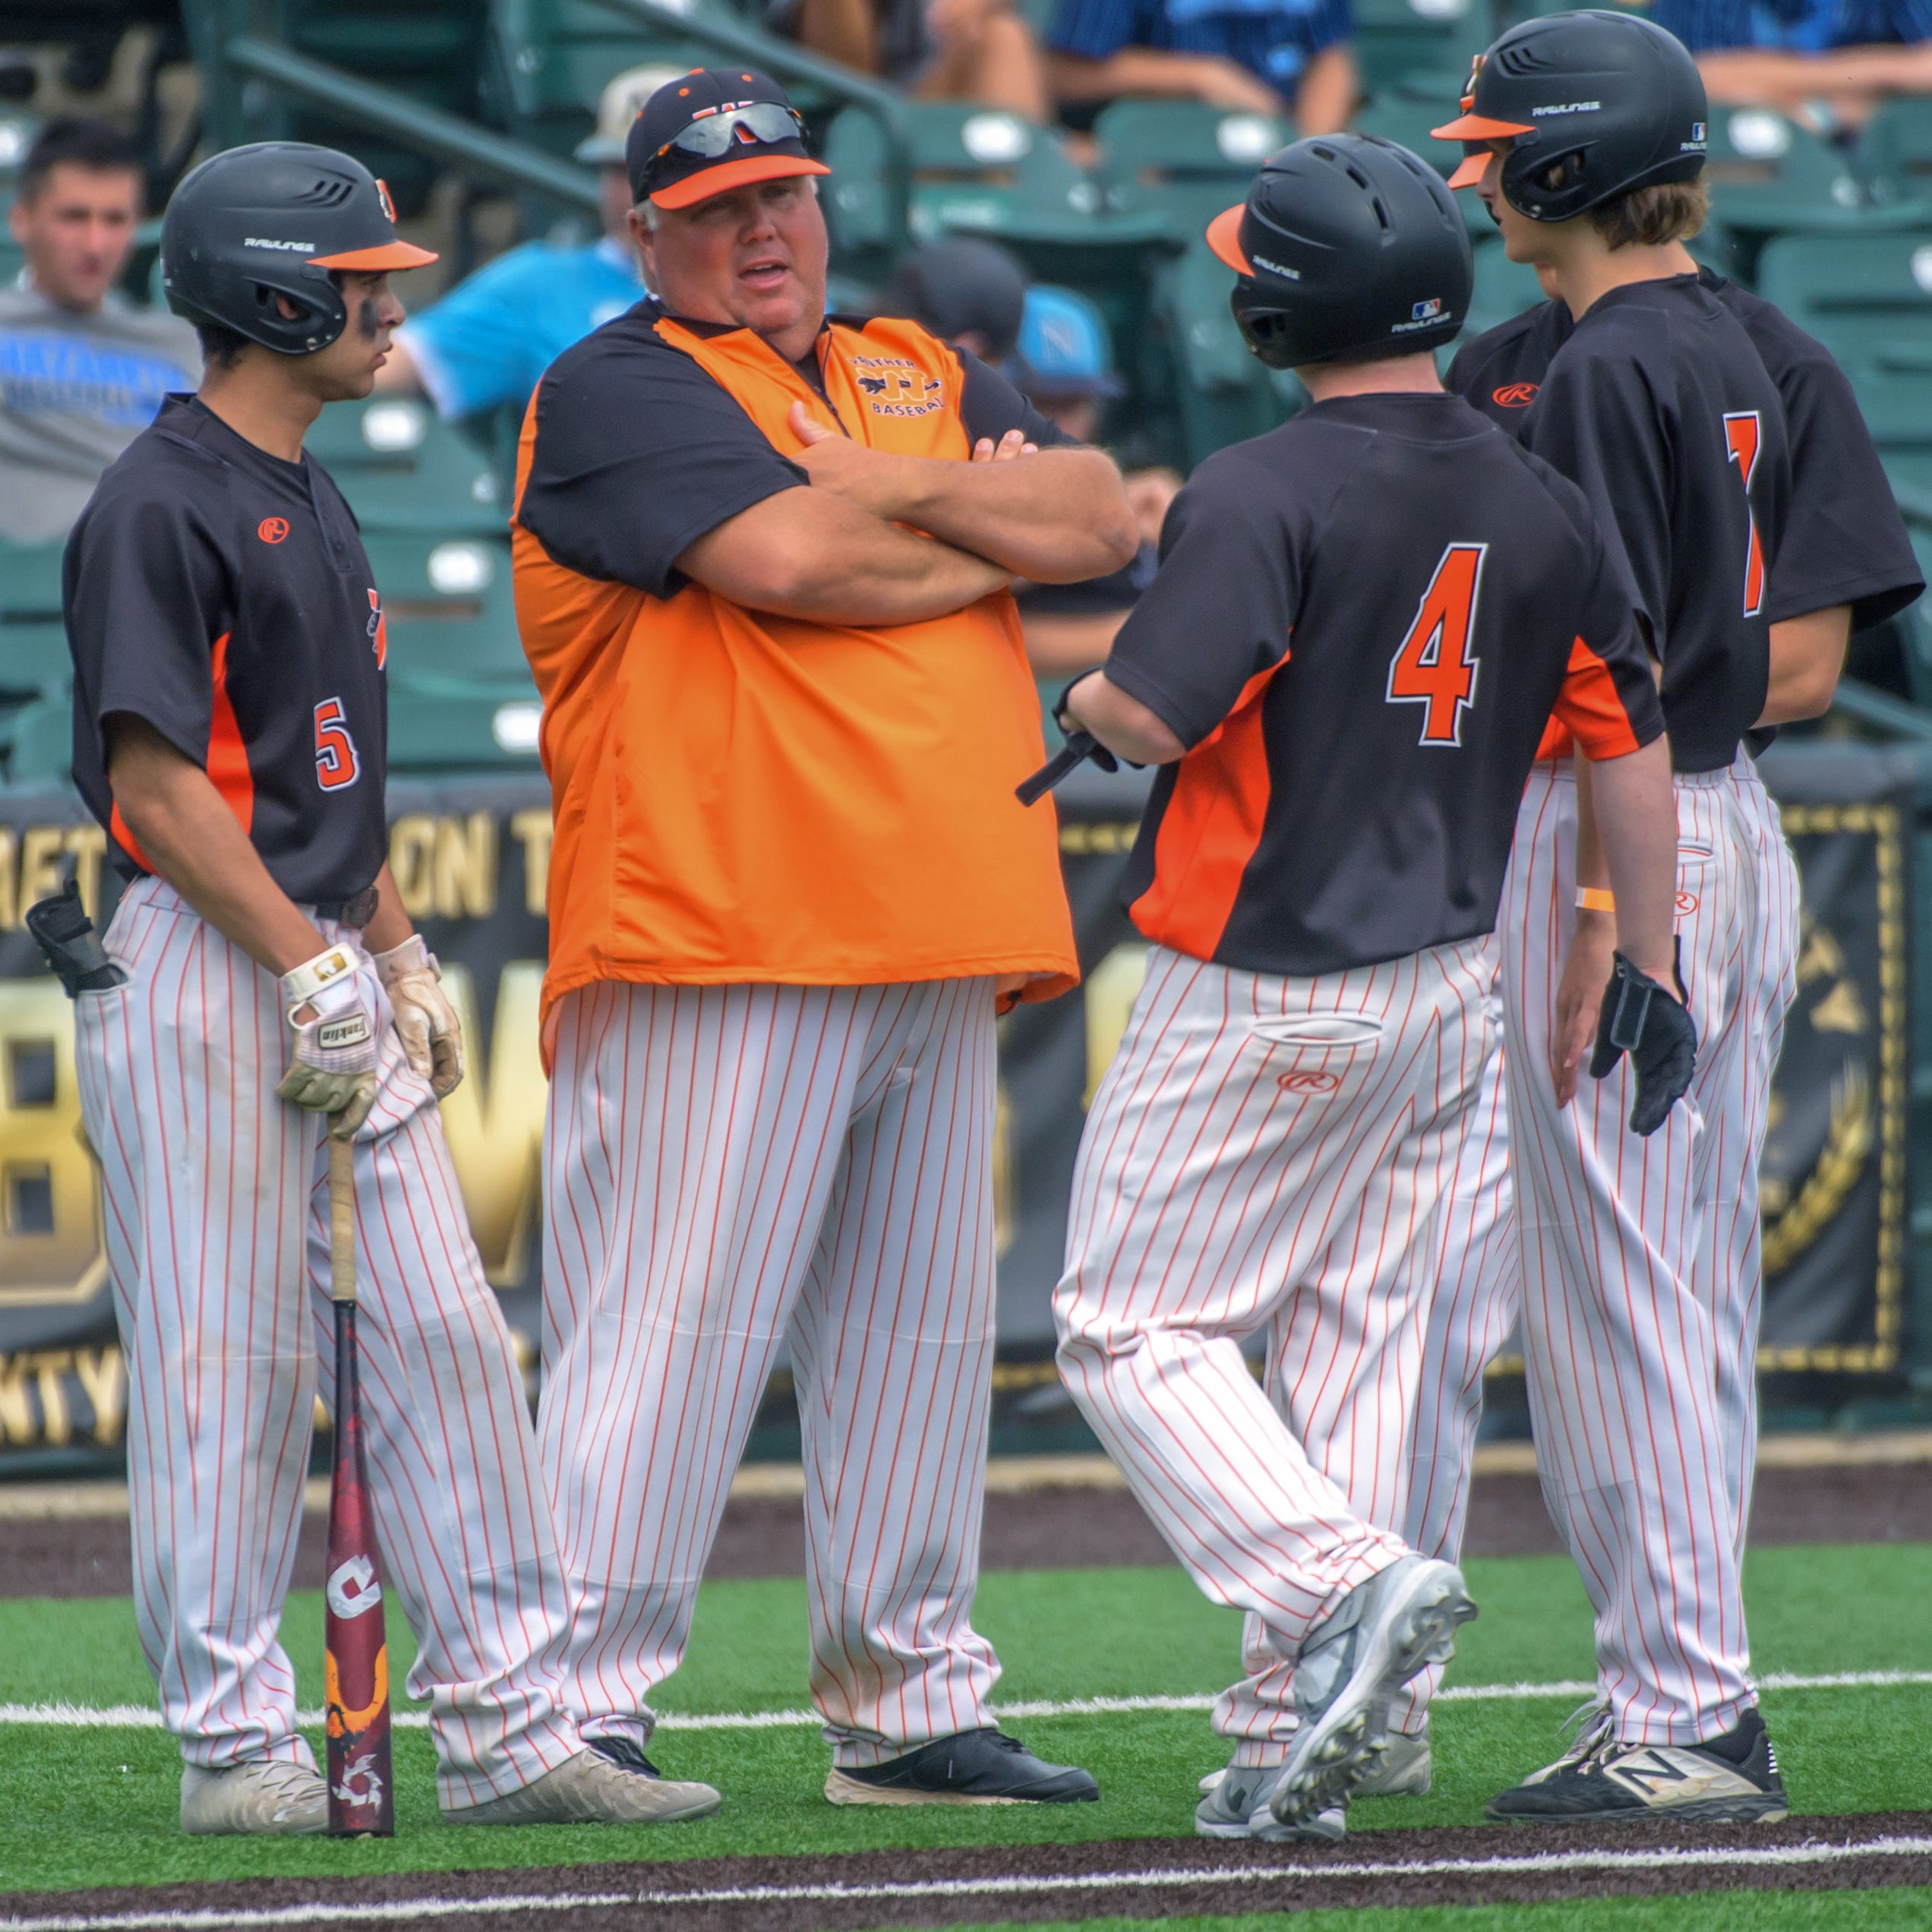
{"x":361,"y":1781}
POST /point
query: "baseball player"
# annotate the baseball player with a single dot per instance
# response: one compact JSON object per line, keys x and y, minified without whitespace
{"x":229,"y":733}
{"x":1359,"y":623}
{"x":1845,"y":562}
{"x":789,"y":886}
{"x":1639,"y":1261}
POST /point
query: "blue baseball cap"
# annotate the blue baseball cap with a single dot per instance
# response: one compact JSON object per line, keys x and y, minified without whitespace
{"x":1063,"y":349}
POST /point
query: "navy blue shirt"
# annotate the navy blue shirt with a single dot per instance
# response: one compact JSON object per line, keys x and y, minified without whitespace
{"x":1798,"y":26}
{"x":1275,"y":39}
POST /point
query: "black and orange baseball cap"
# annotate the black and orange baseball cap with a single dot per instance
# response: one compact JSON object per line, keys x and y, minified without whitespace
{"x":712,"y":130}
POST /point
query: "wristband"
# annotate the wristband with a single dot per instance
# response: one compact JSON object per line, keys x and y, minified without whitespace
{"x":300,"y":984}
{"x":1595,"y":898}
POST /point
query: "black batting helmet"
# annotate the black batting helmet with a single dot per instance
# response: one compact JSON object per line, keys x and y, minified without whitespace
{"x":274,"y":219}
{"x":1349,"y":248}
{"x":1596,"y":104}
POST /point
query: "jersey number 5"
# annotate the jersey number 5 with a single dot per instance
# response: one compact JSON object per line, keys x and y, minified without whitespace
{"x":1745,"y":435}
{"x":336,"y":764}
{"x":1434,"y":667}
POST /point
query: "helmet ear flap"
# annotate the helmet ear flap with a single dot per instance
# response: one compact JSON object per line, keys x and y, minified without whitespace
{"x":1265,"y":331}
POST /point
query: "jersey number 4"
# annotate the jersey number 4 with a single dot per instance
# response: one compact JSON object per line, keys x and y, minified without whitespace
{"x":1434,"y":667}
{"x":336,"y":764}
{"x":1745,"y":435}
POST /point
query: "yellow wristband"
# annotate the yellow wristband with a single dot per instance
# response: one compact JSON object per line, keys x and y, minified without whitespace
{"x":1594,"y":898}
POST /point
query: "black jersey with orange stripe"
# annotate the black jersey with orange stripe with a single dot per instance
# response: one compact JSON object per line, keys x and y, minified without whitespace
{"x":1360,"y":623}
{"x":1659,"y":405}
{"x":224,"y":596}
{"x":1844,"y":542}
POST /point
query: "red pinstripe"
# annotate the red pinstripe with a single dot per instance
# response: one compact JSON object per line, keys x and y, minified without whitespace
{"x":816,"y":1170}
{"x":204,"y":1247}
{"x":1225,"y":1205}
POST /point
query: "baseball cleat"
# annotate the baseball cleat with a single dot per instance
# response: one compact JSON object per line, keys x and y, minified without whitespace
{"x":1732,"y":1779}
{"x":263,"y":1798}
{"x":1234,"y":1805}
{"x":971,"y":1767}
{"x":1404,"y":1770}
{"x":597,"y":1787}
{"x":1351,"y":1666}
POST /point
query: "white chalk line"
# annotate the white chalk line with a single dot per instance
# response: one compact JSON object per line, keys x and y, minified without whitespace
{"x":144,"y":1717}
{"x":1164,"y":1877}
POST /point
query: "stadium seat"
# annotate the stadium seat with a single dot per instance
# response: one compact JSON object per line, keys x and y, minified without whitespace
{"x":1868,"y":298}
{"x":403,"y":469}
{"x":1222,"y":393}
{"x":33,"y":656}
{"x":1182,"y":159}
{"x":1407,"y":120}
{"x":448,"y":607}
{"x":1503,"y":289}
{"x":37,"y":741}
{"x":1419,"y":47}
{"x":1898,"y":411}
{"x":1894,"y":155}
{"x":1768,"y":176}
{"x":450,"y":725}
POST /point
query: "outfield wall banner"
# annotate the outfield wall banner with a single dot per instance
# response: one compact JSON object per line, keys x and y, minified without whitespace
{"x":471,"y":857}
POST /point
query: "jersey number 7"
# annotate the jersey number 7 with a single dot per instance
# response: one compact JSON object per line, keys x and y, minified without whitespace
{"x":1745,"y":435}
{"x":336,"y":764}
{"x":1434,"y":667}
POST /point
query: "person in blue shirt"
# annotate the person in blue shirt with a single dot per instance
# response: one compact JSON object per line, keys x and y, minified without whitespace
{"x":1253,"y":56}
{"x":1829,"y":64}
{"x":483,"y":346}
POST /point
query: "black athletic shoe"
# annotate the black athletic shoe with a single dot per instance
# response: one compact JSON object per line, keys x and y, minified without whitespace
{"x":973,"y":1767}
{"x":624,"y":1755}
{"x":1732,"y":1779}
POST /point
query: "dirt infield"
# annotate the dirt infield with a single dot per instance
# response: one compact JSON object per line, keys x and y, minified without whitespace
{"x":1138,"y":1878}
{"x":1057,"y":1528}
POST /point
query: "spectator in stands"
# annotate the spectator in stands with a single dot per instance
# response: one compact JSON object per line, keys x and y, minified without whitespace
{"x":1829,"y":64}
{"x":483,"y":346}
{"x":1261,"y":56}
{"x":968,"y":292}
{"x":1064,"y":368}
{"x":965,"y":50}
{"x":83,"y":370}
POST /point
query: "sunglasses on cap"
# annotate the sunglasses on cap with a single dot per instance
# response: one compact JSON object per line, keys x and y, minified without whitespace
{"x":718,"y":130}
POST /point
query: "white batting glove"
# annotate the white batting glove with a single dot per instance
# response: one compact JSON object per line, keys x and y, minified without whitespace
{"x":332,"y":1069}
{"x":425,"y":1021}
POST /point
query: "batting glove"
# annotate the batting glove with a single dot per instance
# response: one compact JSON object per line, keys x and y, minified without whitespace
{"x":333,"y":1069}
{"x":425,"y":1021}
{"x":1643,"y":1019}
{"x":1080,"y":746}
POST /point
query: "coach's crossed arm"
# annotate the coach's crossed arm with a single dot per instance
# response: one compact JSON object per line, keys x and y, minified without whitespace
{"x":1056,"y":516}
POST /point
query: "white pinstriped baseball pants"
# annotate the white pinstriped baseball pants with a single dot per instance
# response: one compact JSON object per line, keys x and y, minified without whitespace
{"x":1737,"y":919}
{"x":1266,"y":1148}
{"x":217,"y":1240}
{"x":726,"y":1168}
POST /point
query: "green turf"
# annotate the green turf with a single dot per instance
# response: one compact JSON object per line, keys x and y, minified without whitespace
{"x":96,"y":1806}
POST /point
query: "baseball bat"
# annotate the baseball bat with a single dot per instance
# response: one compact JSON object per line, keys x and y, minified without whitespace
{"x":361,"y":1781}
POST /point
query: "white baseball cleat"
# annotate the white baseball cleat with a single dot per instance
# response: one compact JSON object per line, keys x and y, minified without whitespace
{"x":592,"y":1789}
{"x":1406,"y":1770}
{"x":263,"y":1798}
{"x":1354,"y":1662}
{"x":1235,"y":1804}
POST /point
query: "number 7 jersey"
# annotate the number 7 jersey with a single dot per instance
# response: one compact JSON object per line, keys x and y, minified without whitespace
{"x":1361,"y":624}
{"x":224,"y":596}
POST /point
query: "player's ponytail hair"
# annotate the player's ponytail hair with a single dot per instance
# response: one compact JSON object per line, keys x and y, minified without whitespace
{"x":1649,"y":217}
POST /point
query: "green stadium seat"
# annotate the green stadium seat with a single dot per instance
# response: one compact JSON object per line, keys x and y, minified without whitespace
{"x":1419,"y":47}
{"x":403,"y":469}
{"x":37,"y":741}
{"x":1894,"y":155}
{"x":448,"y":607}
{"x":450,"y":725}
{"x":1768,"y":176}
{"x":1503,"y":289}
{"x":1405,"y":120}
{"x":33,"y":655}
{"x":1223,"y":392}
{"x":1898,"y":412}
{"x":1183,"y":159}
{"x":1868,"y":298}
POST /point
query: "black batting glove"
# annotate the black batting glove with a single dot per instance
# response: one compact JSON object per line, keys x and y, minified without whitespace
{"x":1080,"y":746}
{"x":1654,"y":1027}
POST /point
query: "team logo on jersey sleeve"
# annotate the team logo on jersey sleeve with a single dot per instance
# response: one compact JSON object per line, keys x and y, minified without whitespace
{"x":378,"y":631}
{"x":272,"y":529}
{"x":1515,"y":396}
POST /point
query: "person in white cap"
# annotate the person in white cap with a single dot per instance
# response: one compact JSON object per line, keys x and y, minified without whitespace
{"x":483,"y":346}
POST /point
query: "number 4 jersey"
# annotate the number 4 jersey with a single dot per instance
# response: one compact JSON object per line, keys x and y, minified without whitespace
{"x":223,"y":594}
{"x":1361,"y":624}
